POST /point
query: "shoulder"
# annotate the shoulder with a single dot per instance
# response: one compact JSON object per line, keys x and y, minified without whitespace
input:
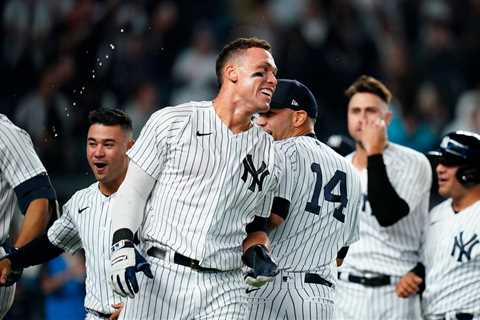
{"x":7,"y":127}
{"x":88,"y":192}
{"x":408,"y":156}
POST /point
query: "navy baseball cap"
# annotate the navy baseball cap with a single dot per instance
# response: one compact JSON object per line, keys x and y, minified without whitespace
{"x":294,"y":95}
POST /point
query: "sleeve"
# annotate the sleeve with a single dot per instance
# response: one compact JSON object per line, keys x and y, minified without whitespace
{"x":356,"y":202}
{"x":151,"y":148}
{"x":64,"y":232}
{"x":414,"y":183}
{"x":18,"y":160}
{"x":280,"y":193}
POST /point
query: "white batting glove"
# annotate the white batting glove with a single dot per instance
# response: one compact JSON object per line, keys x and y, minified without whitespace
{"x":126,"y":261}
{"x":262,"y":267}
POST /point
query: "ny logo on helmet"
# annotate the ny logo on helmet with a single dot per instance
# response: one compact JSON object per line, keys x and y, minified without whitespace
{"x":249,"y":168}
{"x":464,"y":248}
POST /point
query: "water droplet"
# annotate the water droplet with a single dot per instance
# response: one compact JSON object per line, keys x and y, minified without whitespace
{"x":107,"y":56}
{"x":93,"y":76}
{"x":121,"y":30}
{"x":112,"y":46}
{"x":100,"y":64}
{"x":74,"y":104}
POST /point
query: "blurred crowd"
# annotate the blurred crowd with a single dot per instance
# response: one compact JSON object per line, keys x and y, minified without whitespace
{"x":61,"y":59}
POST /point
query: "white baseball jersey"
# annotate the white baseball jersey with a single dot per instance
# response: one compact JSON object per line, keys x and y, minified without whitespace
{"x":394,"y":250}
{"x":451,"y":255}
{"x":86,"y":223}
{"x":210,"y":182}
{"x":18,"y":163}
{"x":324,"y":194}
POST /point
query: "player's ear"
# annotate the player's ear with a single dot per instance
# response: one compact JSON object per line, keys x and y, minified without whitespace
{"x":388,"y":117}
{"x":130,"y":143}
{"x":299,"y":118}
{"x":230,"y":73}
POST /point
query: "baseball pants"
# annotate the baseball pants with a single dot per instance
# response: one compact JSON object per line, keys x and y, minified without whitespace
{"x":180,"y":292}
{"x":289,"y":296}
{"x":358,"y":302}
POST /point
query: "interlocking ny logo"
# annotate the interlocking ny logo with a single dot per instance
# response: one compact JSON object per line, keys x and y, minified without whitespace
{"x":250,"y":168}
{"x":464,"y":248}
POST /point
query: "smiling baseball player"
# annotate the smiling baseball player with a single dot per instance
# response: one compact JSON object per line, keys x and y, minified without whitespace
{"x":318,"y":198}
{"x":86,"y":221}
{"x":24,"y":185}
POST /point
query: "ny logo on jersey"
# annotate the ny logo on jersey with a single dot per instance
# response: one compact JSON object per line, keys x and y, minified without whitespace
{"x":249,"y":167}
{"x":464,"y":248}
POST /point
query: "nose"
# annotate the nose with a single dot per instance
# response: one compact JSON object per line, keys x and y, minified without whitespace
{"x":272,"y":79}
{"x":440,"y":168}
{"x":99,"y":151}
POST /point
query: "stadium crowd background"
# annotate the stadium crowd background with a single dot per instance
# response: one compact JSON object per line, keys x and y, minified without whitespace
{"x":61,"y":59}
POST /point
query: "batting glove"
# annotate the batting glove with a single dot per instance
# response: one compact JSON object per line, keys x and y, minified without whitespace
{"x":262,"y":267}
{"x":126,"y":262}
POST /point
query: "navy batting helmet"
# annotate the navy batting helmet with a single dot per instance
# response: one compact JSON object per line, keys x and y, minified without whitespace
{"x":461,"y":148}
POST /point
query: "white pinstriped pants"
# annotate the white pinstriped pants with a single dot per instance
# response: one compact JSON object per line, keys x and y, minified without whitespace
{"x":358,"y":302}
{"x":7,"y":294}
{"x":289,"y":297}
{"x":179,"y":292}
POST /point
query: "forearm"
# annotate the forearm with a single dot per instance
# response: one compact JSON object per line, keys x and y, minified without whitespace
{"x":35,"y":221}
{"x":254,"y":238}
{"x":387,"y":206}
{"x":128,"y":204}
{"x":35,"y":252}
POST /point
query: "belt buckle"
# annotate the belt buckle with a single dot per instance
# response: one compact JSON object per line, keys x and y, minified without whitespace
{"x":194,"y":265}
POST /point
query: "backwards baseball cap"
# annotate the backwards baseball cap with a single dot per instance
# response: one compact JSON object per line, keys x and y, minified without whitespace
{"x":294,"y":95}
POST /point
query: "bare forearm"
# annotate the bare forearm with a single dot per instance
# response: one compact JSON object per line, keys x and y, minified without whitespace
{"x":35,"y":222}
{"x":257,"y":237}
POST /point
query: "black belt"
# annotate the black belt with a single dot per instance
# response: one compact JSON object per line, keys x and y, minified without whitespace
{"x":180,"y":259}
{"x":463,"y":316}
{"x":315,"y":278}
{"x":379,"y":281}
{"x":98,"y":313}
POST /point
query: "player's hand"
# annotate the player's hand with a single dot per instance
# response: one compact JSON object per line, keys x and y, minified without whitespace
{"x":118,"y":308}
{"x":374,"y":136}
{"x":126,"y":262}
{"x":408,"y":285}
{"x":9,"y":275}
{"x":262,"y":267}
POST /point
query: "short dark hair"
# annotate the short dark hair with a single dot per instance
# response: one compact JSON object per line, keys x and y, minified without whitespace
{"x":368,"y":84}
{"x":233,"y":48}
{"x":110,"y":117}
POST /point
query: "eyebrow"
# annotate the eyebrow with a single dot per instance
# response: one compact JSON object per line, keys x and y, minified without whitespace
{"x":102,"y":140}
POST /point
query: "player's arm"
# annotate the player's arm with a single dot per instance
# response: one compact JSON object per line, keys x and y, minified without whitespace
{"x":387,"y":206}
{"x":127,"y":210}
{"x":37,"y":201}
{"x":35,"y":252}
{"x":412,"y":282}
{"x":341,"y":254}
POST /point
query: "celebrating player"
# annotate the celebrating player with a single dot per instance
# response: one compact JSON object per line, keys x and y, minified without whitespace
{"x":318,"y":197}
{"x":24,"y":185}
{"x":396,"y":184}
{"x":205,"y":170}
{"x":85,"y":222}
{"x":451,"y":247}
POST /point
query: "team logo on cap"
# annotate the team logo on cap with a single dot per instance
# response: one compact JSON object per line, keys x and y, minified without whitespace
{"x":294,"y":103}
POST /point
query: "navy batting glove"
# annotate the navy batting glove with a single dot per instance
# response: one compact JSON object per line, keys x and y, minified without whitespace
{"x":262,"y":267}
{"x":126,"y":262}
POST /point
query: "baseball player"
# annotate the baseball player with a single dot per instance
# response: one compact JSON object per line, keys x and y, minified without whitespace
{"x":86,"y":222}
{"x":24,"y":187}
{"x":318,"y":197}
{"x":396,"y":185}
{"x":451,"y":245}
{"x":205,"y":169}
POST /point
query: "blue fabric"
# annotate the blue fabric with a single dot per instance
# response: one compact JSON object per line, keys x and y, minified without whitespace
{"x":67,"y":301}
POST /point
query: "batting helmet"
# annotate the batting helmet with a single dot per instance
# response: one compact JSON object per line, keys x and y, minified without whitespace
{"x":461,"y":148}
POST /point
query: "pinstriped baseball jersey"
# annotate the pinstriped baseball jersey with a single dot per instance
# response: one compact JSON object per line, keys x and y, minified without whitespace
{"x":18,"y":163}
{"x":324,"y":194}
{"x":394,"y":250}
{"x":86,"y":223}
{"x":210,"y":182}
{"x":451,"y":254}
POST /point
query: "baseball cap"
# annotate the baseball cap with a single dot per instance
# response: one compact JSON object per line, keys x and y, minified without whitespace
{"x":294,"y":95}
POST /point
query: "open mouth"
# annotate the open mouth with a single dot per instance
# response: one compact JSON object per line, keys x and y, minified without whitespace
{"x":267,"y":92}
{"x":100,"y":165}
